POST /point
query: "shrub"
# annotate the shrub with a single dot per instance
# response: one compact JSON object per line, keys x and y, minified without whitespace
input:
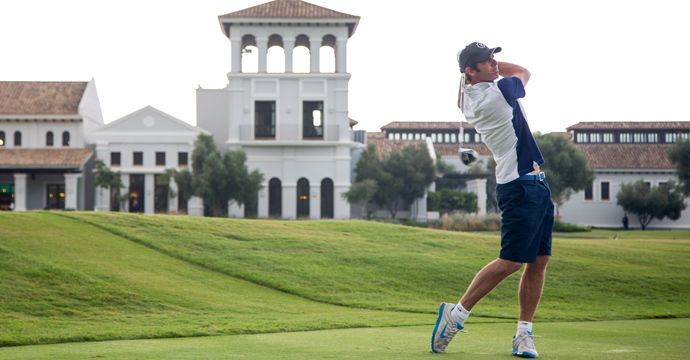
{"x":466,"y":222}
{"x":559,"y":226}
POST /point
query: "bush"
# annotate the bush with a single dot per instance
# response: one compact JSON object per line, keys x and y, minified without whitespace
{"x":559,"y":226}
{"x":466,"y":222}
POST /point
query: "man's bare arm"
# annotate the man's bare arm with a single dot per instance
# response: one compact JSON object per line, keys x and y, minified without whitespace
{"x":508,"y":70}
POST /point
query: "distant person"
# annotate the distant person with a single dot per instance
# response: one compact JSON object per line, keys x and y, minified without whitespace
{"x":626,"y":221}
{"x":524,"y":198}
{"x":135,"y":205}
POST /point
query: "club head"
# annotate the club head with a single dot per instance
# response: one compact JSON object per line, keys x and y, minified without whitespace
{"x":468,"y":156}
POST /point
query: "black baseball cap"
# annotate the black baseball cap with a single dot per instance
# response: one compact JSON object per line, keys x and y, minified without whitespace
{"x":474,"y":53}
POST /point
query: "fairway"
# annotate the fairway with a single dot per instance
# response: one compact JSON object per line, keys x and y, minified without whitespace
{"x":624,"y":340}
{"x":87,"y":285}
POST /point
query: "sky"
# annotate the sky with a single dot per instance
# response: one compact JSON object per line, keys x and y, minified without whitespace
{"x":604,"y":60}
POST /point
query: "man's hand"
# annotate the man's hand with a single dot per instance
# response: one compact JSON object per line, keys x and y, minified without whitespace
{"x":508,"y":70}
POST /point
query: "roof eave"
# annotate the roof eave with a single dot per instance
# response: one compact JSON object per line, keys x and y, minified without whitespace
{"x":227,"y":21}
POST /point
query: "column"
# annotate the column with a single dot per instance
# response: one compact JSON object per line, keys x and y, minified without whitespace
{"x":290,"y":201}
{"x":71,"y":191}
{"x":236,"y":55}
{"x":20,"y":192}
{"x":478,"y":187}
{"x":314,"y":47}
{"x":341,"y":56}
{"x":288,"y":46}
{"x":262,"y":45}
{"x":149,"y":197}
{"x":314,"y":202}
{"x":263,"y":202}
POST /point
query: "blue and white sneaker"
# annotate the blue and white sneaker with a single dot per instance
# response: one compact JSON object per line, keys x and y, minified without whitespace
{"x":524,"y":346}
{"x":445,"y":329}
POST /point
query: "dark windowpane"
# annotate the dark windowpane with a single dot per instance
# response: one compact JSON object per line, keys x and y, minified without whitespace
{"x":138,"y":158}
{"x":302,"y":198}
{"x":605,"y":190}
{"x":49,"y":138}
{"x":65,"y":138}
{"x":588,"y":193}
{"x":160,"y":159}
{"x":182,"y":159}
{"x":17,"y":138}
{"x":265,"y":119}
{"x":312,"y":119}
{"x":56,"y":196}
{"x":115,"y":159}
{"x":275,"y":201}
{"x":2,"y":138}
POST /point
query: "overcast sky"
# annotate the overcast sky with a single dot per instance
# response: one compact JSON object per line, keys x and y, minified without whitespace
{"x":590,"y":60}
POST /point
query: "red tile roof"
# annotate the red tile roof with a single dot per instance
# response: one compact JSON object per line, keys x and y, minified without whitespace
{"x":385,"y":147}
{"x":627,"y":156}
{"x":44,"y":158}
{"x":40,"y":98}
{"x":630,"y":125}
{"x":288,"y":9}
{"x":426,"y":125}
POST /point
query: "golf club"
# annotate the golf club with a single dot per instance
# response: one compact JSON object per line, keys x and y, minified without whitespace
{"x":467,"y":156}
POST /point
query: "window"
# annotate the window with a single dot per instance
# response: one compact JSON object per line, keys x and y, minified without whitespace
{"x":653,"y":138}
{"x":588,"y":192}
{"x":595,"y":138}
{"x":477,"y":138}
{"x":423,"y":136}
{"x":671,"y":138}
{"x":115,"y":158}
{"x":439,"y":137}
{"x":417,"y":136}
{"x":2,"y":138}
{"x":640,"y":138}
{"x":302,"y":198}
{"x":397,"y":136}
{"x":160,"y":158}
{"x":326,"y":198}
{"x":17,"y":138}
{"x":138,"y":158}
{"x":605,"y":190}
{"x":453,"y":138}
{"x":182,"y":159}
{"x":404,"y":136}
{"x":608,"y":137}
{"x":49,"y":138}
{"x":312,"y":119}
{"x":626,"y":138}
{"x":433,"y":138}
{"x":56,"y":196}
{"x":275,"y":207}
{"x":265,"y":119}
{"x":410,"y":136}
{"x":467,"y":137}
{"x":65,"y":138}
{"x":391,"y":136}
{"x":582,"y":138}
{"x":446,"y":138}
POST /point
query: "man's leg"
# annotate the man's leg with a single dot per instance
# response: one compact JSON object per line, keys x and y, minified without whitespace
{"x":531,"y":286}
{"x":487,"y":279}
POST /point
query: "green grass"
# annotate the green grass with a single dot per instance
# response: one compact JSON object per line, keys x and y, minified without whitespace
{"x":81,"y":276}
{"x":630,"y":234}
{"x":607,"y":340}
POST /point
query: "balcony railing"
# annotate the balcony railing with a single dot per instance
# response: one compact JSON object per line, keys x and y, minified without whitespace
{"x":289,"y":132}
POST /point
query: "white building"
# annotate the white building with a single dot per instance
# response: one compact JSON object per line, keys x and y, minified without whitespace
{"x":45,"y":162}
{"x":291,"y":121}
{"x":623,"y":152}
{"x":141,"y":146}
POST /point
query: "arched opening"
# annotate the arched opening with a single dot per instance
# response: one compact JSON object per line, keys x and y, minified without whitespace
{"x":275,"y":57}
{"x":302,"y":198}
{"x":327,"y":54}
{"x":65,"y":138}
{"x":2,"y":138}
{"x":17,"y":138}
{"x":301,"y":58}
{"x":49,"y":138}
{"x":275,"y":198}
{"x":327,"y":198}
{"x":250,"y":54}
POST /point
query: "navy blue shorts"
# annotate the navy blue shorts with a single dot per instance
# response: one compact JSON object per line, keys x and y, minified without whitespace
{"x":527,"y":217}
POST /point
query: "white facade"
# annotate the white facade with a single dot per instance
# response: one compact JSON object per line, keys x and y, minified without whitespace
{"x":141,"y":146}
{"x":294,"y":127}
{"x":603,"y":212}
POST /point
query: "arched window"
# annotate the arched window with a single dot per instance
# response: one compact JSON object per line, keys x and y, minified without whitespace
{"x":302,"y":198}
{"x":2,"y":138}
{"x":65,"y":138}
{"x":49,"y":138}
{"x":275,"y":57}
{"x":327,"y":198}
{"x":327,"y":54}
{"x":250,"y":55}
{"x":17,"y":138}
{"x":275,"y":198}
{"x":301,"y":58}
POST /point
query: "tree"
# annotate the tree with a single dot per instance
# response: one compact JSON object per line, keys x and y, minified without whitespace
{"x":679,"y":156}
{"x":452,"y":200}
{"x":649,"y":202}
{"x":361,"y":193}
{"x":108,"y":179}
{"x":453,"y":183}
{"x":183,"y":180}
{"x":220,"y":180}
{"x":565,"y":167}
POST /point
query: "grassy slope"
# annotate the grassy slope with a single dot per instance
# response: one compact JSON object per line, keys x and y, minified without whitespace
{"x":63,"y":280}
{"x":66,"y":279}
{"x":382,"y":266}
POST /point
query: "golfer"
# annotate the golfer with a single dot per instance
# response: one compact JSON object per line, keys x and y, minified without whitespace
{"x":524,"y":198}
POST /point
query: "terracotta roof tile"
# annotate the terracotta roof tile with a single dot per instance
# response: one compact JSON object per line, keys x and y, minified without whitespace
{"x":44,"y":158}
{"x":40,"y":98}
{"x":385,"y":147}
{"x":288,"y":9}
{"x":422,"y":125}
{"x":624,"y":125}
{"x":627,"y":156}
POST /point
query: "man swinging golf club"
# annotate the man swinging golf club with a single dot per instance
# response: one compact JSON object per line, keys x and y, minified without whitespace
{"x":524,"y":198}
